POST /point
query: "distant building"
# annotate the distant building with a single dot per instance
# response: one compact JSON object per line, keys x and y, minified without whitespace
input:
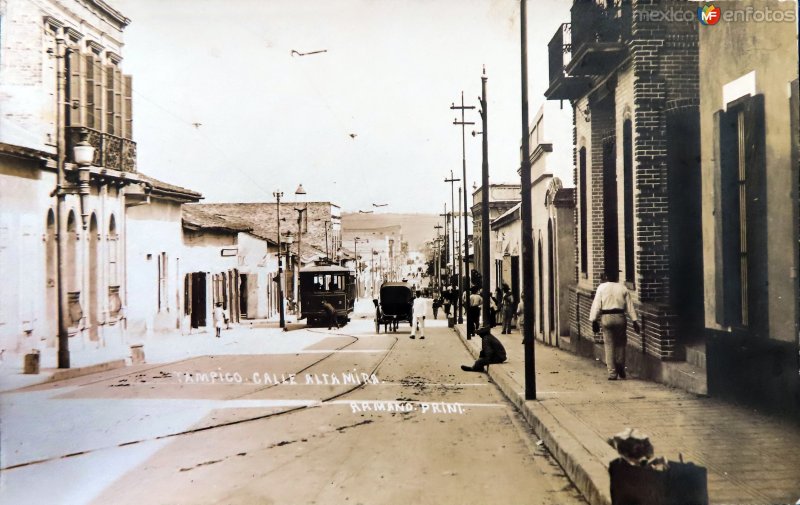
{"x":502,"y":197}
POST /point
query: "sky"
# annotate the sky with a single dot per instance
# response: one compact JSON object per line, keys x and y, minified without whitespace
{"x":221,"y":105}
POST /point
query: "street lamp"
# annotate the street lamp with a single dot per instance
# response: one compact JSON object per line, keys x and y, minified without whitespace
{"x":300,"y":191}
{"x":288,"y":238}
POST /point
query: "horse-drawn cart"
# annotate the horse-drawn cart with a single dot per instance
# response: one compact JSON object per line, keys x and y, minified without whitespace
{"x":395,"y":305}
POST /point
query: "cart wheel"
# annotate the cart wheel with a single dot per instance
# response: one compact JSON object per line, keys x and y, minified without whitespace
{"x":377,"y":326}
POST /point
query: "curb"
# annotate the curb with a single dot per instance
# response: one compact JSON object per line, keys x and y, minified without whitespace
{"x":46,"y":376}
{"x":551,"y":423}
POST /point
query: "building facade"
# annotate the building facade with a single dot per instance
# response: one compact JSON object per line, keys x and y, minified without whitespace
{"x":61,"y":82}
{"x":633,"y":83}
{"x":749,"y":159}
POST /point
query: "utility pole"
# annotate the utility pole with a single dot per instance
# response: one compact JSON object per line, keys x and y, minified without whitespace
{"x":463,"y":124}
{"x":525,"y":209}
{"x":485,"y":204}
{"x":438,"y":258}
{"x":452,"y":180}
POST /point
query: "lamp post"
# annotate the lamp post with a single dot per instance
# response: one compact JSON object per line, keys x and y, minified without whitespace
{"x":288,"y":238}
{"x":83,"y":155}
{"x":300,"y":191}
{"x":278,"y":195}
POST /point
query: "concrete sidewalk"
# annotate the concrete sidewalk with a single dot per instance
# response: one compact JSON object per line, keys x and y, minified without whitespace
{"x":265,"y":337}
{"x":751,"y":458}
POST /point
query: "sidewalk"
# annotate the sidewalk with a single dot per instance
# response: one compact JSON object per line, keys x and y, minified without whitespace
{"x":265,"y":336}
{"x":751,"y":458}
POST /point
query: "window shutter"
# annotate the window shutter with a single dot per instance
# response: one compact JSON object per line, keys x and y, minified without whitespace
{"x":110,"y":100}
{"x":128,"y":114}
{"x":726,"y":217}
{"x":75,"y":83}
{"x":88,"y":103}
{"x":118,"y":102}
{"x":98,"y":94}
{"x":757,"y":294}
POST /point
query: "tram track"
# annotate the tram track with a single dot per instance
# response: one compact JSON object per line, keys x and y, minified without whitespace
{"x":227,"y":423}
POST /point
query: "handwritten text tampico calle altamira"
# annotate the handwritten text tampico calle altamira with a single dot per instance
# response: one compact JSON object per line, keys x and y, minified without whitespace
{"x":219,"y":376}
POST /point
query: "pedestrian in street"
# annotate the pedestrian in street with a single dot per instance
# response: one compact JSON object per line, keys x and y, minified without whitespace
{"x":437,"y":302}
{"x":612,"y":302}
{"x":473,"y":303}
{"x":418,"y":309}
{"x":521,"y":316}
{"x":508,"y":309}
{"x":219,"y":318}
{"x":492,"y":351}
{"x":498,"y":299}
{"x":447,"y":300}
{"x":330,"y":312}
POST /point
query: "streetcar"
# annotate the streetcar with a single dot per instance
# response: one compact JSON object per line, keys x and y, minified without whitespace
{"x":326,"y":281}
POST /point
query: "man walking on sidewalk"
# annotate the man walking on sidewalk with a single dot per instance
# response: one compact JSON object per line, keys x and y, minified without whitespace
{"x":492,"y":351}
{"x":418,"y":311}
{"x":611,"y":302}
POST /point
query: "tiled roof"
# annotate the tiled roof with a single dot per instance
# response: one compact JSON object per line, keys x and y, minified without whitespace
{"x":262,"y":219}
{"x":195,"y":217}
{"x":171,"y":188}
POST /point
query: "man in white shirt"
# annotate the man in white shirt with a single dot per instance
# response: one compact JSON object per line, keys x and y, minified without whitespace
{"x":611,"y":302}
{"x":418,"y":311}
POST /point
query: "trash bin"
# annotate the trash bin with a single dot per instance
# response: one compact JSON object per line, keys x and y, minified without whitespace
{"x":31,"y":365}
{"x":451,"y":322}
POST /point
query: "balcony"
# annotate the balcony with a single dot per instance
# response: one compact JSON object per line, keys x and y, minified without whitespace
{"x":111,"y":152}
{"x":563,"y":86}
{"x":600,"y":31}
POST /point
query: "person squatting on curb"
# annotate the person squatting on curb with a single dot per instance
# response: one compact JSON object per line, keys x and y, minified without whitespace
{"x":418,"y":311}
{"x":611,"y":302}
{"x":492,"y":351}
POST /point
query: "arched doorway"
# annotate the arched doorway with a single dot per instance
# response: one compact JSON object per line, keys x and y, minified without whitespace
{"x":72,"y":274}
{"x":51,"y":274}
{"x":92,"y":299}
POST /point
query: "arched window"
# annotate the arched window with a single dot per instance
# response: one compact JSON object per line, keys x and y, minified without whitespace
{"x":113,"y":252}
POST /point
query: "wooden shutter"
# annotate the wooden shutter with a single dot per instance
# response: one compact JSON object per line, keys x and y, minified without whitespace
{"x":110,"y":100}
{"x":726,"y":216}
{"x":98,"y":94}
{"x":88,"y":102}
{"x":127,"y":118}
{"x":118,"y":102}
{"x":75,"y":85}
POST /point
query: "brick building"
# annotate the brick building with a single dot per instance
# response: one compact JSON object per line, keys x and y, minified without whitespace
{"x":632,"y":80}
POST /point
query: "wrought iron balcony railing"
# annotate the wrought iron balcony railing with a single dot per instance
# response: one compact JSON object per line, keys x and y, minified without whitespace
{"x":112,"y":152}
